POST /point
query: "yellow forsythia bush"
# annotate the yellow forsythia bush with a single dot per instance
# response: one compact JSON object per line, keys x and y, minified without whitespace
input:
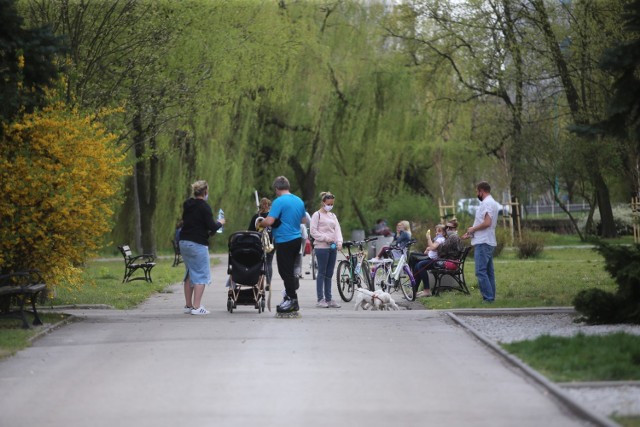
{"x":60,"y":174}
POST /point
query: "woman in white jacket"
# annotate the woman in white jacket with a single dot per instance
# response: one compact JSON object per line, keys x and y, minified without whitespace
{"x":327,"y":235}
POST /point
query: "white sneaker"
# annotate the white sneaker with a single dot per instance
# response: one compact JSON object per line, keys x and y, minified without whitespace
{"x":200,"y":311}
{"x":333,"y":304}
{"x":322,"y":304}
{"x":187,"y":310}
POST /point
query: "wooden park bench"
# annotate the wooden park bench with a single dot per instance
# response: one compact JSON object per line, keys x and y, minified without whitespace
{"x":453,"y":268}
{"x":133,"y":263}
{"x":16,"y":289}
{"x":177,"y":256}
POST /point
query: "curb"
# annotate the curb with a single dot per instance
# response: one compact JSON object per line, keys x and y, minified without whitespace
{"x":77,"y":307}
{"x":410,"y":305}
{"x":50,"y":328}
{"x":511,"y":311}
{"x":599,"y":384}
{"x":553,"y":389}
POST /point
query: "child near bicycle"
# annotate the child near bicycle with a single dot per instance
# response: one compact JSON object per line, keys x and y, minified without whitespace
{"x":421,"y":270}
{"x":402,"y":238}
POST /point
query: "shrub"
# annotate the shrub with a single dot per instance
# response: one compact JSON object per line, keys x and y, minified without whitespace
{"x":551,"y":225}
{"x":503,"y":238}
{"x":59,"y":176}
{"x":598,"y":306}
{"x":530,"y":245}
{"x":622,"y":217}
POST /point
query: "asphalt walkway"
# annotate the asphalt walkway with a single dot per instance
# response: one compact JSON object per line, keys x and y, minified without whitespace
{"x":155,"y":366}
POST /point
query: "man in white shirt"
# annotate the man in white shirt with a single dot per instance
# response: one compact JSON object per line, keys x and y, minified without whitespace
{"x":483,"y":239}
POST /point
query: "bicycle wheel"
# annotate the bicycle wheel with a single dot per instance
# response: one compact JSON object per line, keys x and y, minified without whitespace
{"x":407,"y":283}
{"x":365,"y":276}
{"x":314,"y":264}
{"x":346,"y":287}
{"x":379,"y":278}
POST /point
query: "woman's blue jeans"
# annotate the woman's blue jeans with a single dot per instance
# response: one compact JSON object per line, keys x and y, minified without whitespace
{"x":421,"y":272}
{"x":483,"y":257}
{"x":326,"y":264}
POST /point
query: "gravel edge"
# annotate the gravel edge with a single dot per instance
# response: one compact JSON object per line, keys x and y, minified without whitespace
{"x":566,"y":398}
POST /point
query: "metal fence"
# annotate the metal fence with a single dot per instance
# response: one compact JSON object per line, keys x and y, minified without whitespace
{"x":538,"y":209}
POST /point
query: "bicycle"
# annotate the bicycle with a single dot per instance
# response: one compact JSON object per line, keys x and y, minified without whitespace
{"x":354,"y":271}
{"x":390,"y":278}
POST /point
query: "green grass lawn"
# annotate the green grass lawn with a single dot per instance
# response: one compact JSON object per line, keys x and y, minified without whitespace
{"x":627,"y":421}
{"x":103,"y":285}
{"x":551,"y":280}
{"x":612,"y":357}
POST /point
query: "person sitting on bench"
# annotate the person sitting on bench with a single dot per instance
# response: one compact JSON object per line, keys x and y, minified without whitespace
{"x":421,"y":272}
{"x":453,"y":246}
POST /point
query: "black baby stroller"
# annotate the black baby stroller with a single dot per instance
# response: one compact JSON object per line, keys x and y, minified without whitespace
{"x":246,"y":270}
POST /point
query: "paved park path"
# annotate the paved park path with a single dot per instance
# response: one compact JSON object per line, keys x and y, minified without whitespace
{"x":154,"y":366}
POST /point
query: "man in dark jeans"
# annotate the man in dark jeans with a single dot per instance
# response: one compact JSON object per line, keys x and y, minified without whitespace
{"x":288,"y":209}
{"x":483,"y":239}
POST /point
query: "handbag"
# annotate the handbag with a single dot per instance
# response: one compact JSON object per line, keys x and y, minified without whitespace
{"x":267,"y":245}
{"x":443,"y":264}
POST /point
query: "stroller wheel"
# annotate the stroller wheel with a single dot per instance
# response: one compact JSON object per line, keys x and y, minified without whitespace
{"x":230,"y":305}
{"x":262,"y":304}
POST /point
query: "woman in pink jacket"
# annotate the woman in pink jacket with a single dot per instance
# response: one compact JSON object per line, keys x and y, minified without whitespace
{"x":327,"y":235}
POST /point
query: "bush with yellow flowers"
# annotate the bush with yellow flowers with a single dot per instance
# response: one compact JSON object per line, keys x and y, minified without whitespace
{"x":60,"y":174}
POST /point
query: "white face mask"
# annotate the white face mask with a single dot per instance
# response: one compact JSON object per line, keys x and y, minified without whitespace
{"x":328,"y":207}
{"x":206,"y":197}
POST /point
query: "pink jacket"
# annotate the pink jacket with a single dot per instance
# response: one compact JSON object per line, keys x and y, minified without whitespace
{"x":325,"y":229}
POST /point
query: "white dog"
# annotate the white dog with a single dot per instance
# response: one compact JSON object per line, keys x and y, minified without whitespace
{"x":385,"y":301}
{"x":364,"y":299}
{"x":377,"y":300}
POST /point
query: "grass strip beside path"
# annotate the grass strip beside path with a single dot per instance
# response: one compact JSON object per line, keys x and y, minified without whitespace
{"x":611,"y":357}
{"x":551,"y":280}
{"x":14,"y":338}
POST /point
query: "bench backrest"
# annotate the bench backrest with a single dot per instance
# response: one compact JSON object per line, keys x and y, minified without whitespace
{"x":465,"y":252}
{"x":125,"y":250}
{"x":21,"y":278}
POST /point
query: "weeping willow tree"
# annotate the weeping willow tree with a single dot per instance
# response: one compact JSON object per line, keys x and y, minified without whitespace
{"x":353,"y":120}
{"x":239,"y":52}
{"x":238,"y":93}
{"x":281,"y":93}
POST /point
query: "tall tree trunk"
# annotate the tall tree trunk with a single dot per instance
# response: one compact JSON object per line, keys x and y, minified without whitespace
{"x":148,"y":199}
{"x":513,"y":165}
{"x":146,"y":184}
{"x":579,"y":116}
{"x":607,"y":223}
{"x":306,"y":173}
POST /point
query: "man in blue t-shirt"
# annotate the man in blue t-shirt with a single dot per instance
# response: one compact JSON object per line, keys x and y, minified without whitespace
{"x":287,"y":212}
